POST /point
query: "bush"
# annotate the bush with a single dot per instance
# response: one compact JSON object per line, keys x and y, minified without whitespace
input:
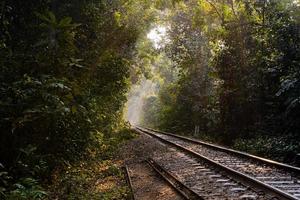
{"x":282,"y":149}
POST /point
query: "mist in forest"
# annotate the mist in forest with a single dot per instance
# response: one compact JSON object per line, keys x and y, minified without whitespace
{"x":147,"y":86}
{"x":136,"y":100}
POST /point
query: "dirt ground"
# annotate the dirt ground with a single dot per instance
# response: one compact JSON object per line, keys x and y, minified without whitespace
{"x":146,"y":183}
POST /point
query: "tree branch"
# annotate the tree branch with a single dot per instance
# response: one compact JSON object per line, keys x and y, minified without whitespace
{"x":217,"y":11}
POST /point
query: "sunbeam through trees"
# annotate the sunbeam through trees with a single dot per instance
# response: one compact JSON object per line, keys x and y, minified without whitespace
{"x":76,"y":75}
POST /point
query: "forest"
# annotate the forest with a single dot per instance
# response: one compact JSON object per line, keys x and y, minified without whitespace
{"x":75,"y":75}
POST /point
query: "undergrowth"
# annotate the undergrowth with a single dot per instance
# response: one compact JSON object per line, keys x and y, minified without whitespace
{"x":283,"y":149}
{"x":95,"y":175}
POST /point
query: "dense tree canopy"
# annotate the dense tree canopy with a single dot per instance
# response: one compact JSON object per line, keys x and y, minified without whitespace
{"x":229,"y":67}
{"x":238,"y":78}
{"x":65,"y":70}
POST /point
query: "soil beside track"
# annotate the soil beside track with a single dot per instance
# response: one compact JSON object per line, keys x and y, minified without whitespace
{"x":146,"y":182}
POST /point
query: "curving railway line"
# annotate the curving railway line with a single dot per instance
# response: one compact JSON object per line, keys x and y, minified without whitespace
{"x":215,"y":172}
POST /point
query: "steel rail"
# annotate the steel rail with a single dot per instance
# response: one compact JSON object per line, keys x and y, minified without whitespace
{"x":245,"y":179}
{"x":182,"y":189}
{"x":129,"y":182}
{"x":235,"y":152}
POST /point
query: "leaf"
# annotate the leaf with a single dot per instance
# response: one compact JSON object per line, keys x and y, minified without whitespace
{"x":77,"y":65}
{"x":39,"y":194}
{"x":19,"y":186}
{"x":74,"y":109}
{"x":293,"y":104}
{"x":29,"y":149}
{"x":51,"y":17}
{"x":3,"y":173}
{"x":48,"y":17}
{"x":59,"y":86}
{"x":213,"y":75}
{"x":118,"y":17}
{"x":65,"y":22}
{"x":286,"y":85}
{"x":67,"y":110}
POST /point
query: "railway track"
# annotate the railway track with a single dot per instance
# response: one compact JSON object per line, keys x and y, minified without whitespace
{"x":206,"y":181}
{"x":181,"y":188}
{"x":129,"y":182}
{"x":245,"y":176}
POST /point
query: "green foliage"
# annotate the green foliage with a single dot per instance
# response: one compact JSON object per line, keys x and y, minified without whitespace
{"x":4,"y":184}
{"x":230,"y":67}
{"x":26,"y":188}
{"x":98,"y":176}
{"x":64,"y":75}
{"x":282,"y":148}
{"x":238,"y":64}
